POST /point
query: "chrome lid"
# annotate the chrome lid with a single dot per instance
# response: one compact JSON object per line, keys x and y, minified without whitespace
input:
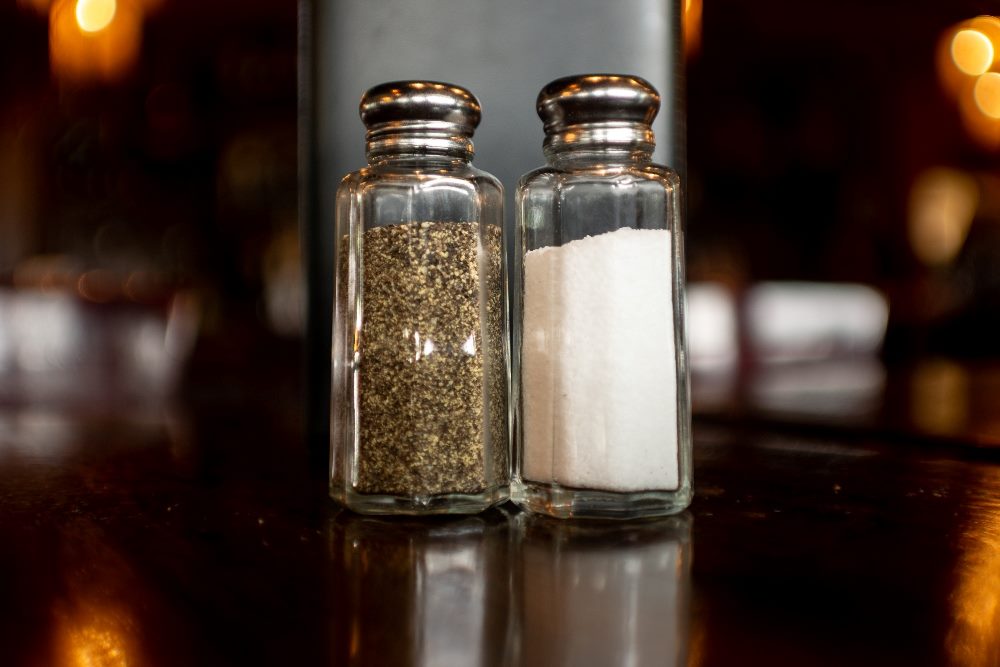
{"x":598,"y":108}
{"x":419,"y":117}
{"x":400,"y":101}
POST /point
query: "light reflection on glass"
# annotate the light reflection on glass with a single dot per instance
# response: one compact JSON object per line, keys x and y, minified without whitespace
{"x":600,"y":594}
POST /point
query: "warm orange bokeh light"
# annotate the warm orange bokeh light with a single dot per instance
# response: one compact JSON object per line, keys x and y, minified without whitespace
{"x":989,"y":26}
{"x":952,"y":79}
{"x":94,"y":40}
{"x":987,"y":94}
{"x":967,"y":64}
{"x":972,"y":52}
{"x":967,"y":50}
{"x":939,"y":396}
{"x":692,"y":27}
{"x":95,"y":15}
{"x":942,"y":205}
{"x":982,"y":128}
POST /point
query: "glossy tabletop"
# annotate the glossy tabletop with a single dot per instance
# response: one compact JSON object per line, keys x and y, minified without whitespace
{"x":200,"y":534}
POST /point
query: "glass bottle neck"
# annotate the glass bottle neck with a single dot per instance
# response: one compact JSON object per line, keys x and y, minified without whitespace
{"x":419,"y":159}
{"x":600,"y":144}
{"x":585,"y":157}
{"x":429,"y":140}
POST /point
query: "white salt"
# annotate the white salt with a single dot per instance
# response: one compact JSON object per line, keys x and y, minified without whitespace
{"x":599,"y":375}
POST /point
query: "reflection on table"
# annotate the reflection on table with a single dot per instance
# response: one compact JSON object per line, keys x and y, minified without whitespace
{"x":603,"y":593}
{"x":421,"y":591}
{"x":509,"y":588}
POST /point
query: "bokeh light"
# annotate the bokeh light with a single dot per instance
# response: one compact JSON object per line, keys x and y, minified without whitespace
{"x":939,"y":400}
{"x":989,"y":26}
{"x":692,"y":27}
{"x":95,"y":15}
{"x":987,"y":94}
{"x":967,"y":64}
{"x":983,"y":129}
{"x":942,"y":206}
{"x":94,"y":40}
{"x":972,"y":52}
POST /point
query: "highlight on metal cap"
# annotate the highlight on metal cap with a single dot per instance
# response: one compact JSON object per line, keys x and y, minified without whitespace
{"x":597,"y":98}
{"x":434,"y":101}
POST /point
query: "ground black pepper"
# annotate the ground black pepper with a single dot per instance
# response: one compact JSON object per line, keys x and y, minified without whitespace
{"x":432,"y":392}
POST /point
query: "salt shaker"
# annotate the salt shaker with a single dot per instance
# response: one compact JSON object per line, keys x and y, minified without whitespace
{"x":603,"y":408}
{"x":420,"y":364}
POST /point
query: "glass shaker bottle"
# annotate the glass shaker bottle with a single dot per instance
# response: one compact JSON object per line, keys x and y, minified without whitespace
{"x":603,"y":416}
{"x":420,"y":366}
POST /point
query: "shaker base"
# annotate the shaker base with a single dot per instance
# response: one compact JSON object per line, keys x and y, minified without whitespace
{"x":569,"y":503}
{"x":445,"y":503}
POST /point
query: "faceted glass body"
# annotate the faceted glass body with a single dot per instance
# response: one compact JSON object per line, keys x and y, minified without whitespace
{"x":602,"y":410}
{"x":420,"y":364}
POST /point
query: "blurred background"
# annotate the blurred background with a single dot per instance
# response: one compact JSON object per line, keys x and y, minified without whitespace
{"x":148,"y":198}
{"x":842,"y":168}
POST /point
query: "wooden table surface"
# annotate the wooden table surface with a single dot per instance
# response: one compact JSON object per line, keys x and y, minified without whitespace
{"x":200,"y":534}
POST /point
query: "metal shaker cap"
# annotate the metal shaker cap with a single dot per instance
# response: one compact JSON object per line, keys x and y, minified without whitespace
{"x":420,"y":101}
{"x":597,"y":98}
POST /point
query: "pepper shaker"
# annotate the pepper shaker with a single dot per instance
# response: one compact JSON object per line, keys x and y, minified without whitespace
{"x":603,"y":410}
{"x":420,"y":362}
